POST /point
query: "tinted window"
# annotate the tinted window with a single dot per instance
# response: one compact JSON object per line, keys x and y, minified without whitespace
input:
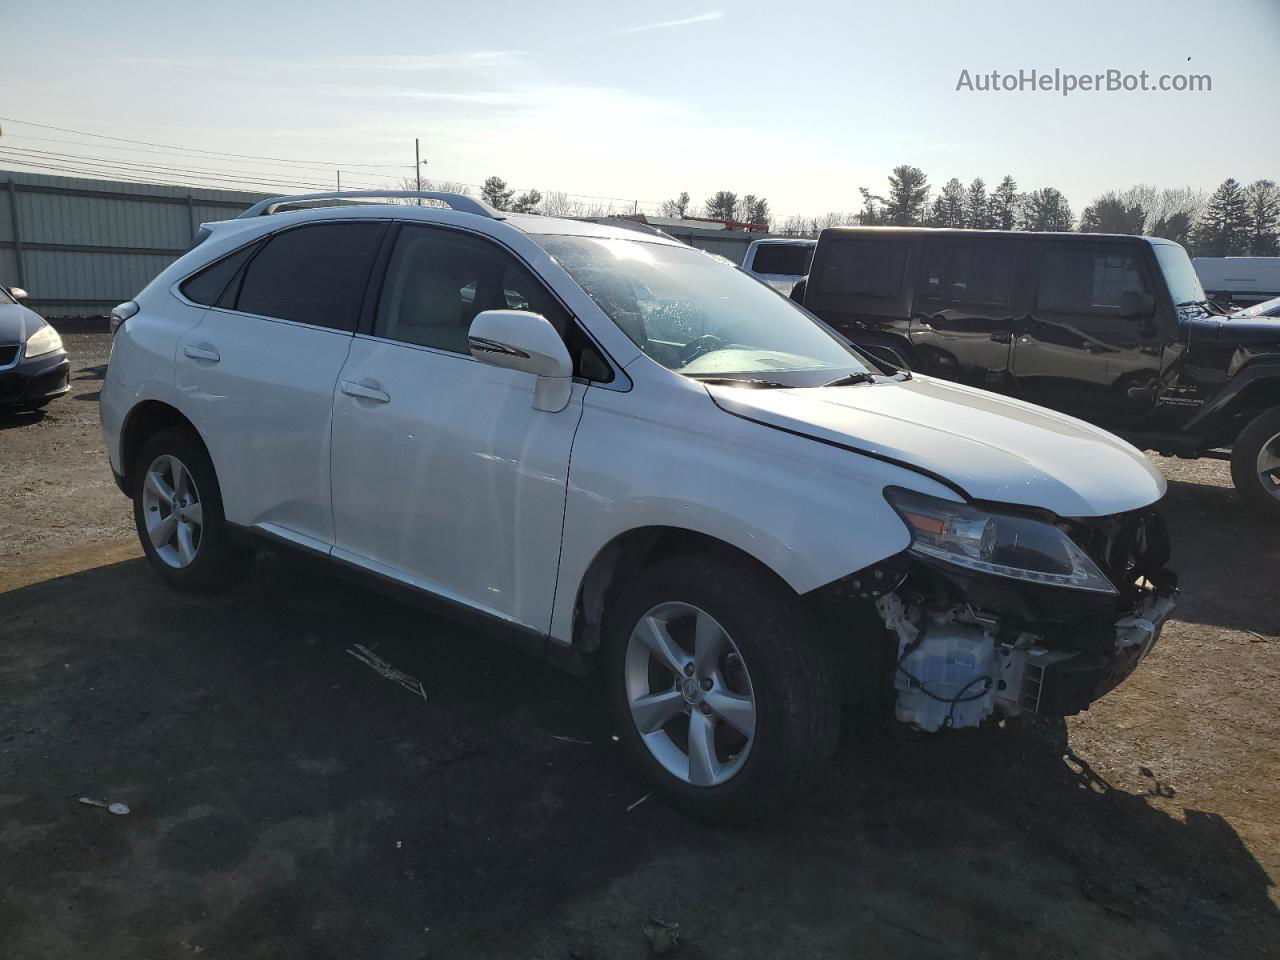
{"x":864,"y":267}
{"x":1088,"y":279}
{"x":208,"y":285}
{"x":974,"y":273}
{"x":314,"y":274}
{"x":438,"y":280}
{"x":788,"y":258}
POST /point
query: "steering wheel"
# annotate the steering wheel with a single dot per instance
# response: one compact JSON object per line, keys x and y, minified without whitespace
{"x":706,"y":343}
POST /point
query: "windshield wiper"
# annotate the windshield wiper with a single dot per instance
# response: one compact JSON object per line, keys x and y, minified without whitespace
{"x":741,"y":381}
{"x":850,"y":379}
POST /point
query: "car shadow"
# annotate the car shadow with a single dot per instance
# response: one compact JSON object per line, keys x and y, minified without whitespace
{"x":1219,"y":549}
{"x":17,"y":419}
{"x":290,"y":797}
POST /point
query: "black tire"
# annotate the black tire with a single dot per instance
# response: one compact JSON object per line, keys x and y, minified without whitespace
{"x":218,"y":562}
{"x":797,"y":705}
{"x":1263,"y":430}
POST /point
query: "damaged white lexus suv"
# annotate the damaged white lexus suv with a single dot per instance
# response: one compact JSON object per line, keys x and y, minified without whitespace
{"x":640,"y":462}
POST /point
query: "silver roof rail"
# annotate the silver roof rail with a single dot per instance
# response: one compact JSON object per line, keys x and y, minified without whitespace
{"x":455,"y":201}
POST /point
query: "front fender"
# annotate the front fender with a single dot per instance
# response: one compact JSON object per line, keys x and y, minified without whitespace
{"x":810,"y":512}
{"x":1240,"y":389}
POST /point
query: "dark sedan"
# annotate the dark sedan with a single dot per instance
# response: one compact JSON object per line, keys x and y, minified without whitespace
{"x":33,"y":365}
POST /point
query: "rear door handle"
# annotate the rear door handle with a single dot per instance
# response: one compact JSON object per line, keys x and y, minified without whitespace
{"x":353,"y":388}
{"x":202,"y":352}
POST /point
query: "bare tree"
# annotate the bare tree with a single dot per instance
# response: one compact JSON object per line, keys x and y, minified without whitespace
{"x":556,"y":203}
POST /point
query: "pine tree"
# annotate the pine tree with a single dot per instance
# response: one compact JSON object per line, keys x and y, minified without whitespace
{"x":951,"y":204}
{"x":1262,"y":198}
{"x":977,"y":210}
{"x":1004,"y":205}
{"x":1046,"y":209}
{"x":495,"y":193}
{"x":908,"y":194}
{"x":1223,"y":230}
{"x":722,"y":205}
{"x":678,"y":207}
{"x":1110,"y":213}
{"x":527,"y":202}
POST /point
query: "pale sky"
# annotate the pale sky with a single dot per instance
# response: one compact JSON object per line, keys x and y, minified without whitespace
{"x":802,"y":102}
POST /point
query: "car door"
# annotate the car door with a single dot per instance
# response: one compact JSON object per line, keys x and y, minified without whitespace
{"x":444,"y":475}
{"x":1074,"y":350}
{"x":962,"y":313}
{"x":257,"y":373}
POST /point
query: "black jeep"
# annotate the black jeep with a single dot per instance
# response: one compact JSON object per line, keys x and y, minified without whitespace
{"x":1112,"y":329}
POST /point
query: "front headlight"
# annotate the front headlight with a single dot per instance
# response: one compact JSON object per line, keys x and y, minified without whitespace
{"x":1001,"y":544}
{"x":45,"y":340}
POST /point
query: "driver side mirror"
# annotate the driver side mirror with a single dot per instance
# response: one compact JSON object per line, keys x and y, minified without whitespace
{"x":18,"y":293}
{"x":1136,"y":306}
{"x":520,"y":340}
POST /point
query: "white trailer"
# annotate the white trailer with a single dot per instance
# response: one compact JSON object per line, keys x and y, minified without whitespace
{"x":1241,"y":280}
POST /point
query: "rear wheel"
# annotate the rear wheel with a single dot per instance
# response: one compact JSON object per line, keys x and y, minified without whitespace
{"x":1255,"y":463}
{"x":721,"y":685}
{"x":177,"y":508}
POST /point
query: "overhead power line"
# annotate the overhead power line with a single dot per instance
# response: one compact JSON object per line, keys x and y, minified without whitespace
{"x":213,"y":153}
{"x":209,"y":173}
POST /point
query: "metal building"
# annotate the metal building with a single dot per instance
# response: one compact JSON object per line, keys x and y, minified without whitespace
{"x":79,"y":247}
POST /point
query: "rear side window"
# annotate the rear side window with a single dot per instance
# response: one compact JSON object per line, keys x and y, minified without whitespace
{"x":975,"y":273}
{"x":1088,"y":279}
{"x":314,"y":274}
{"x":787,"y":258}
{"x":865,"y":267}
{"x":208,"y":285}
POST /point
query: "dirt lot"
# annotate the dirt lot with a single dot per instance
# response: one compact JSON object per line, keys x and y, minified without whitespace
{"x":287,"y":801}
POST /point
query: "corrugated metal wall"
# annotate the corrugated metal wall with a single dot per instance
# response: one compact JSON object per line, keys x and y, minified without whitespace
{"x":78,"y":247}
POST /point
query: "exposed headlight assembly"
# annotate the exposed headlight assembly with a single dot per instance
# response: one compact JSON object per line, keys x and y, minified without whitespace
{"x":45,"y":340}
{"x":1001,"y":544}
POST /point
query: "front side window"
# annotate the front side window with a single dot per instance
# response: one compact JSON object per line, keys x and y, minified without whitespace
{"x":314,"y":274}
{"x":438,"y":280}
{"x":970,"y":273}
{"x":864,"y":267}
{"x":1088,"y":278}
{"x":700,"y":317}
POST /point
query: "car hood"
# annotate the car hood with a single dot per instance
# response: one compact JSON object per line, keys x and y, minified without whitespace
{"x":17,"y":323}
{"x":992,"y":447}
{"x":1235,"y":329}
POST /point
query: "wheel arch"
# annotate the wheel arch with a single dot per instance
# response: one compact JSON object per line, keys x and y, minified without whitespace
{"x":630,"y":552}
{"x":144,"y":421}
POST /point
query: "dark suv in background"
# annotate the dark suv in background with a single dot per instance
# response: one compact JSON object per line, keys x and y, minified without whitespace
{"x":1112,"y":329}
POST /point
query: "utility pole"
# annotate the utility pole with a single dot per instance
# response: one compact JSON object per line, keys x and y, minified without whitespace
{"x":417,"y":166}
{"x":339,"y":181}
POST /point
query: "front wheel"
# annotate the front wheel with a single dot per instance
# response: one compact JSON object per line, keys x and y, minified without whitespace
{"x":177,"y":508}
{"x":721,"y":686}
{"x":1255,"y":463}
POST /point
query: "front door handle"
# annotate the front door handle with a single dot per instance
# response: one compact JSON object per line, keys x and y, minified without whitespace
{"x":202,"y":351}
{"x":353,"y":388}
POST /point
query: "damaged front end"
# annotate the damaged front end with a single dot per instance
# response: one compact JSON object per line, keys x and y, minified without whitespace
{"x":1011,"y":612}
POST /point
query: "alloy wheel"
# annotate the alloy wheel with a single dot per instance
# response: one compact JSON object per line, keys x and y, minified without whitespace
{"x":172,"y":511}
{"x":1269,"y":466}
{"x":689,"y":694}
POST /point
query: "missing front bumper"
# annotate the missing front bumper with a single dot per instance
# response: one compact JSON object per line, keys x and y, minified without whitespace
{"x":956,"y":667}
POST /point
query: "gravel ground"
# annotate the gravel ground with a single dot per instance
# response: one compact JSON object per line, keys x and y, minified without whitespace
{"x":287,"y":801}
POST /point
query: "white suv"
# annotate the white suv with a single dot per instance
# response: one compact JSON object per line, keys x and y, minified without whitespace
{"x":637,"y":459}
